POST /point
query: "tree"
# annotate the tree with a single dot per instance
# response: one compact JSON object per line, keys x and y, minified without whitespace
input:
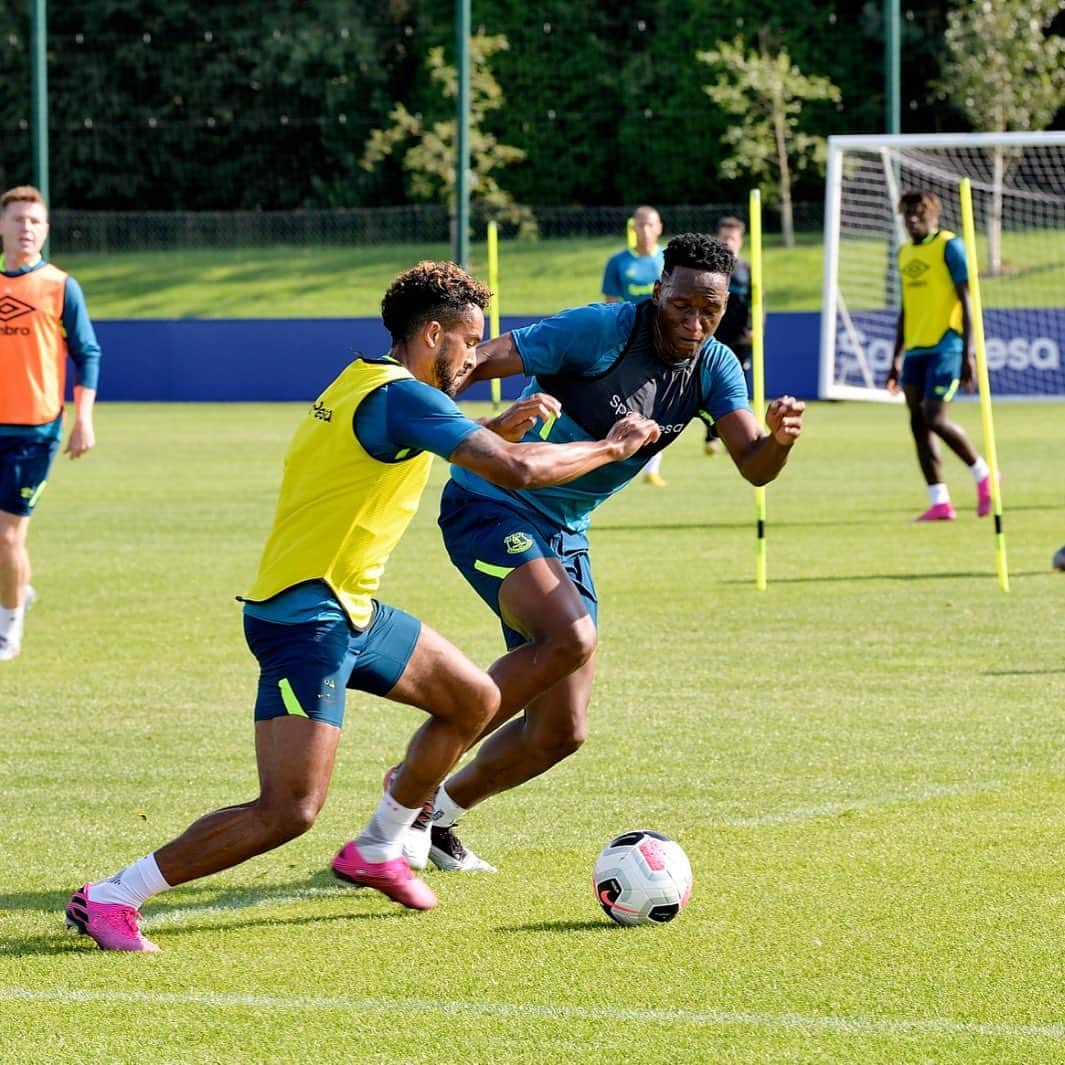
{"x":1005,"y":73}
{"x":429,"y":162}
{"x":765,"y":93}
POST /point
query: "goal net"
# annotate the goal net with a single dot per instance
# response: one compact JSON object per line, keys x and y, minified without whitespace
{"x":1018,"y":189}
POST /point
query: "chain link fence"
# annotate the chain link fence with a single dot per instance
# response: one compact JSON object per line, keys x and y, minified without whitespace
{"x":119,"y":231}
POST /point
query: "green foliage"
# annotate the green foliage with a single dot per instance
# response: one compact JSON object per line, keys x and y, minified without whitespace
{"x":429,"y":163}
{"x":187,"y":106}
{"x":1005,"y":70}
{"x":765,"y":94}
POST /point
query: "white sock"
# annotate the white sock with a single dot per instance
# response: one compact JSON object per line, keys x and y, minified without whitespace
{"x":653,"y":464}
{"x":938,"y":493}
{"x":979,"y":469}
{"x":446,"y":812}
{"x":382,"y":839}
{"x":11,"y":621}
{"x":132,"y":886}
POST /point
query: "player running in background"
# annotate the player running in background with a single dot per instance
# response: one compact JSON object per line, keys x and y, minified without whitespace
{"x":630,"y":277}
{"x":44,"y":321}
{"x":354,"y":475}
{"x":934,"y":349}
{"x":525,"y":551}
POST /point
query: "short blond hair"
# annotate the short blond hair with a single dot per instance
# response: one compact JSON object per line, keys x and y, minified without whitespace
{"x":22,"y":194}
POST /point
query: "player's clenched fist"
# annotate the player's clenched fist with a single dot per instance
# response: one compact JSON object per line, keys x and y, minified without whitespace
{"x":632,"y":432}
{"x":784,"y":419}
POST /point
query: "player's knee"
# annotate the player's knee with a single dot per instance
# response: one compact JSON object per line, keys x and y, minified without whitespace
{"x":481,"y":705}
{"x":561,"y":743}
{"x":10,"y":535}
{"x":571,"y":648}
{"x":287,"y":820}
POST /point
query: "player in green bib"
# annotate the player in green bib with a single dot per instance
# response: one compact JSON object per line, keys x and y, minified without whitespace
{"x":933,"y":349}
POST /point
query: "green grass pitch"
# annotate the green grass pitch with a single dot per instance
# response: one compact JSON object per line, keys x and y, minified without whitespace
{"x":864,"y":763}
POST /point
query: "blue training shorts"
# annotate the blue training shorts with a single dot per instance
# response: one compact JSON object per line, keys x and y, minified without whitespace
{"x":305,"y":668}
{"x":24,"y":466}
{"x":487,"y":539}
{"x":937,"y":372}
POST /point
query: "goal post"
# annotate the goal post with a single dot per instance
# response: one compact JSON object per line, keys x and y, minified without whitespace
{"x":1018,"y":191}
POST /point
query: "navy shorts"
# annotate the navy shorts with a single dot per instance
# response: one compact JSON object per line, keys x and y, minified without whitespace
{"x":487,"y":540}
{"x":305,"y":668}
{"x":936,"y":372}
{"x":24,"y":466}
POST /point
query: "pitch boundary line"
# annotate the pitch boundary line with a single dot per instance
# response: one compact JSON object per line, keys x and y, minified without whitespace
{"x":702,"y":1018}
{"x":831,"y":809}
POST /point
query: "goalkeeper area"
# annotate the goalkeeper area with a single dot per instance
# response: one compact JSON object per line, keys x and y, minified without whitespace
{"x":1018,"y":188}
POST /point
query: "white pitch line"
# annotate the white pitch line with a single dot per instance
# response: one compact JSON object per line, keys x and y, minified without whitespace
{"x":246,"y":902}
{"x":832,"y":809}
{"x":796,"y":1022}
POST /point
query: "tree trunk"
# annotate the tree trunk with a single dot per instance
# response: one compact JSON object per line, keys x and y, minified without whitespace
{"x":787,"y":222}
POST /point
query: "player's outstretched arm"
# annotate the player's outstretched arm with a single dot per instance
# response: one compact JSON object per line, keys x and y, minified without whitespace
{"x":538,"y":465}
{"x":761,"y":456}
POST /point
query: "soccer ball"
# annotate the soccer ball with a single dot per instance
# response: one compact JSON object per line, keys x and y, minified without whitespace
{"x":642,"y":877}
{"x":1058,"y":561}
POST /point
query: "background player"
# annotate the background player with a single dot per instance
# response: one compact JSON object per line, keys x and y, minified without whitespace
{"x":45,"y":320}
{"x":934,"y":349}
{"x":734,"y":330}
{"x":630,"y":276}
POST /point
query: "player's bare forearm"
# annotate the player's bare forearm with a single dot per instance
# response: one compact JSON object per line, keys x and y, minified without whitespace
{"x":539,"y":465}
{"x":82,"y":434}
{"x":497,"y":357}
{"x":764,"y":460}
{"x":761,"y":456}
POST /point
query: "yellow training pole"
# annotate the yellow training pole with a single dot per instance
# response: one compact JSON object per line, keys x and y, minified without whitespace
{"x":983,"y":378}
{"x":758,"y":371}
{"x":493,"y":306}
{"x":630,"y":234}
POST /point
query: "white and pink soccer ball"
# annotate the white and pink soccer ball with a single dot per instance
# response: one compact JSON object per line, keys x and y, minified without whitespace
{"x":642,"y":877}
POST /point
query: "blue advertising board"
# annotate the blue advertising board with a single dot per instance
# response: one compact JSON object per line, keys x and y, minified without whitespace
{"x":275,"y":360}
{"x":1024,"y":350}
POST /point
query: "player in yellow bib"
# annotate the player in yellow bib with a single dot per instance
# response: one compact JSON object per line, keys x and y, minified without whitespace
{"x":354,"y":474}
{"x":934,"y":351}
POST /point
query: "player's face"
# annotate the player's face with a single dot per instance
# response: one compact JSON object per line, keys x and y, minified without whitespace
{"x":919,"y":220}
{"x":24,"y":228}
{"x":456,"y":353}
{"x":648,"y":228}
{"x":690,"y":305}
{"x":732,"y":238}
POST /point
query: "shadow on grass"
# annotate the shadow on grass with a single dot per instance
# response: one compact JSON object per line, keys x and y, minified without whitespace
{"x":847,"y":578}
{"x":177,"y":912}
{"x":556,"y":927}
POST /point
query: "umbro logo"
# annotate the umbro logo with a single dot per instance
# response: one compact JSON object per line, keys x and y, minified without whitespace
{"x":915,"y":269}
{"x":11,"y":308}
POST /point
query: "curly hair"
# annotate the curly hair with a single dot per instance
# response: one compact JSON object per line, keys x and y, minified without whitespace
{"x":430,"y":291}
{"x":699,"y":251}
